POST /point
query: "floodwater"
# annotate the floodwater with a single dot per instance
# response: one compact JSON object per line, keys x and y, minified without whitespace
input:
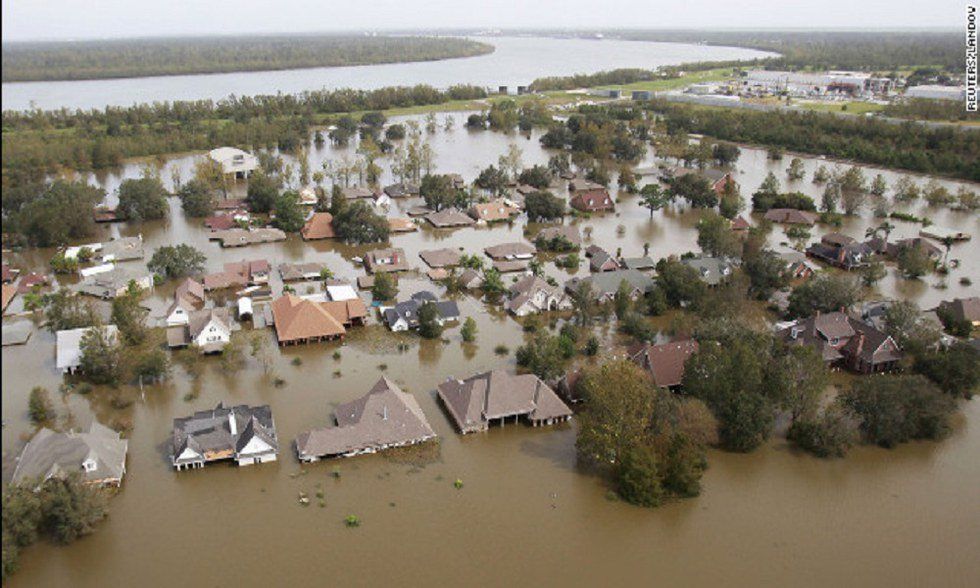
{"x":525,"y":514}
{"x":516,"y":61}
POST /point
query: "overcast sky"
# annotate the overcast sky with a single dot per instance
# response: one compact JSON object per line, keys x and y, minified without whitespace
{"x":77,"y":19}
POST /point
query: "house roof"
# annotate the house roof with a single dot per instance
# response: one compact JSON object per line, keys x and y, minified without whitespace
{"x":510,"y":250}
{"x":607,"y":283}
{"x":581,"y":184}
{"x":791,"y":216}
{"x":740,"y":224}
{"x":402,"y":225}
{"x":68,"y":345}
{"x":354,"y":192}
{"x":470,"y":278}
{"x":386,"y":260}
{"x":449,"y":217}
{"x":435,"y":258}
{"x":190,"y":289}
{"x":242,"y":237}
{"x":51,"y":454}
{"x":290,"y":272}
{"x":9,"y":291}
{"x":496,"y":394}
{"x":199,"y":319}
{"x":569,"y":232}
{"x":602,"y":261}
{"x":401,"y":190}
{"x":523,"y":290}
{"x":963,"y":308}
{"x":346,"y":311}
{"x":234,"y":160}
{"x":210,"y":431}
{"x":495,"y":210}
{"x":638,"y":263}
{"x":318,"y":226}
{"x":297,"y":319}
{"x":712,"y":270}
{"x":386,"y":416}
{"x":665,"y":362}
{"x":592,"y":200}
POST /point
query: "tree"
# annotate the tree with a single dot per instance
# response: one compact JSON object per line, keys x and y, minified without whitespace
{"x":130,"y":318}
{"x":853,"y":189}
{"x":821,"y":175}
{"x":61,"y":213}
{"x":65,"y":310}
{"x":906,"y":190}
{"x":766,"y":272}
{"x":142,"y":199}
{"x":437,"y":191}
{"x":653,"y":198}
{"x":903,"y":323}
{"x":796,"y":377}
{"x":652,"y":442}
{"x":695,"y":189}
{"x":150,"y":364}
{"x":895,"y":409}
{"x":493,"y":283}
{"x":954,"y":369}
{"x":796,"y":171}
{"x":831,"y":196}
{"x":729,"y":379}
{"x":826,"y":435}
{"x":879,"y":186}
{"x":39,"y":406}
{"x":469,"y":330}
{"x":681,"y":283}
{"x":543,"y":206}
{"x":824,"y":293}
{"x":626,"y":179}
{"x":914,"y":262}
{"x":290,"y":216}
{"x":384,"y":287}
{"x":71,"y":508}
{"x":429,"y":325}
{"x":512,"y":161}
{"x":873,"y":273}
{"x":101,"y":357}
{"x":715,"y":236}
{"x":175,"y":261}
{"x":536,"y":176}
{"x":770,"y":185}
{"x":262,"y":192}
{"x":731,"y":201}
{"x":493,"y":180}
{"x":543,"y":356}
{"x":196,"y":199}
{"x":395,"y":132}
{"x":357,"y":223}
{"x":725,"y":154}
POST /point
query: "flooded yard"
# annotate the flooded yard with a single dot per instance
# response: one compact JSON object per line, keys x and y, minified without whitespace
{"x":525,"y":514}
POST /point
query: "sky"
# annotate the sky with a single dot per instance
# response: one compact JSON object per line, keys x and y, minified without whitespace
{"x":88,"y":19}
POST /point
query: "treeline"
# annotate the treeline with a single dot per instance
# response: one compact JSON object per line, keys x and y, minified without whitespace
{"x":38,"y":142}
{"x":632,"y":75}
{"x":128,"y":58}
{"x":922,"y":109}
{"x":910,"y":146}
{"x":881,"y":51}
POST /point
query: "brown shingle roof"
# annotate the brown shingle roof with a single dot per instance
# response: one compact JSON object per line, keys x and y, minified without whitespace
{"x":664,"y":362}
{"x":592,"y":201}
{"x":497,"y":394}
{"x":297,"y":319}
{"x":319,"y":226}
{"x":791,"y":216}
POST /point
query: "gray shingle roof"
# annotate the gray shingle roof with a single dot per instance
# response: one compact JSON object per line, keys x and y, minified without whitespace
{"x":51,"y":454}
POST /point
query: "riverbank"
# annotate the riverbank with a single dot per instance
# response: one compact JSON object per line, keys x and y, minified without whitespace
{"x":139,"y":58}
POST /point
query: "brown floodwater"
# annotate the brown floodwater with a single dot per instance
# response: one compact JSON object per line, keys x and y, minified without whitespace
{"x":526,"y":514}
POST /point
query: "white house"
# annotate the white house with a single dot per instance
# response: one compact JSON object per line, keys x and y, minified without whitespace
{"x":69,"y":347}
{"x":235,"y":162}
{"x":531,"y":295}
{"x":242,"y":433}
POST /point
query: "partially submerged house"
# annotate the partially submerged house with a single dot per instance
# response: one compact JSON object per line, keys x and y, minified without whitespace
{"x":208,"y":329}
{"x":113,"y":283}
{"x":840,"y":251}
{"x":244,"y":237}
{"x":439,"y":258}
{"x":962,"y":309}
{"x":497,"y":210}
{"x":844,"y":341}
{"x":605,"y":285}
{"x":592,"y":201}
{"x":791,"y":216}
{"x":98,"y":456}
{"x":470,"y":279}
{"x":404,"y":316}
{"x":449,"y":218}
{"x":243,"y":434}
{"x":892,"y":249}
{"x":712,"y":270}
{"x":402,"y":225}
{"x":602,"y":261}
{"x":531,"y":294}
{"x":318,"y":226}
{"x":68,"y":346}
{"x":357,"y":192}
{"x":494,"y":397}
{"x":664,"y":362}
{"x":583,"y":185}
{"x":237,"y":274}
{"x":402,"y":190}
{"x":384,"y":418}
{"x":234,"y":162}
{"x":298,"y":320}
{"x":511,"y":251}
{"x":569,"y":233}
{"x":295,"y":272}
{"x":386,"y":260}
{"x":719,"y":179}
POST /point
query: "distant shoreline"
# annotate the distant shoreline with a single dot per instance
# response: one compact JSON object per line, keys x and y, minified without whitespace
{"x":144,"y":58}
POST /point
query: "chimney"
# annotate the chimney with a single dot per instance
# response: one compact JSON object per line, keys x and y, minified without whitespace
{"x":232,"y":423}
{"x":385,"y":412}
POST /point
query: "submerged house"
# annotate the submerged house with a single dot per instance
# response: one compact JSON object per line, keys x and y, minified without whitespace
{"x":384,"y":418}
{"x":68,"y":346}
{"x":494,"y":211}
{"x":113,"y":283}
{"x":510,"y":251}
{"x":299,"y":320}
{"x":791,"y":216}
{"x":597,"y":200}
{"x":495,"y":396}
{"x":386,"y":260}
{"x":209,"y":330}
{"x":318,"y":226}
{"x":244,"y":434}
{"x":664,"y":362}
{"x":404,"y":316}
{"x":449,"y":218}
{"x":712,"y":270}
{"x":98,"y":455}
{"x":605,"y":285}
{"x":531,"y":294}
{"x":845,"y":341}
{"x":234,"y":162}
{"x":840,"y":251}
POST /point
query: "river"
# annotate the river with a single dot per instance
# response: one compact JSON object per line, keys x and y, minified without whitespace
{"x":515,"y":61}
{"x":525,"y":514}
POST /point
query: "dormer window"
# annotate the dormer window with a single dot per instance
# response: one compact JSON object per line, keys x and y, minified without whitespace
{"x":89,"y":465}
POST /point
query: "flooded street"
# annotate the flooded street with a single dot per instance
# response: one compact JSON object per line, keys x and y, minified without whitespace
{"x":526,"y":514}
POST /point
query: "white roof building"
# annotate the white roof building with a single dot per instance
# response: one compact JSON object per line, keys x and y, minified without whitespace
{"x":69,"y":347}
{"x":235,"y":161}
{"x":933,"y":92}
